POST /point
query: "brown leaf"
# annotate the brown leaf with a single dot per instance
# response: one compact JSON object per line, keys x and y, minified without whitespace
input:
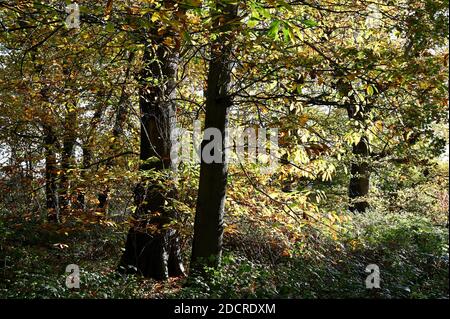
{"x":108,"y":9}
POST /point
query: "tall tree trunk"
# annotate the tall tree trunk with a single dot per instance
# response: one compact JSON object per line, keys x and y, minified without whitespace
{"x":67,"y":158}
{"x":50,"y":175}
{"x":358,"y":188}
{"x":87,"y":156}
{"x":152,"y":249}
{"x":360,"y":177}
{"x":88,"y":145}
{"x":208,"y":227}
{"x":117,"y":131}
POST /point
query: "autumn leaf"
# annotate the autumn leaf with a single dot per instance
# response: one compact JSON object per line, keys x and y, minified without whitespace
{"x":108,"y":9}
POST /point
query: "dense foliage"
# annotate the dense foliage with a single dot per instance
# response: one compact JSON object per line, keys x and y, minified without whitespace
{"x":354,"y":92}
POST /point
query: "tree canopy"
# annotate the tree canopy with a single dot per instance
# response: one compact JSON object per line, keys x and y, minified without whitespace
{"x":225,"y":144}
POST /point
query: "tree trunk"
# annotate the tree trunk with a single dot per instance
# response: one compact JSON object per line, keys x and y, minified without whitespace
{"x":87,"y":156}
{"x":117,"y":132}
{"x":66,"y":159}
{"x":208,"y":227}
{"x":358,"y":188}
{"x":87,"y":149}
{"x":360,"y":177}
{"x":50,"y":175}
{"x":152,"y":249}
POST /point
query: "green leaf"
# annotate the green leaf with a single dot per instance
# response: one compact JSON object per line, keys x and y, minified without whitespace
{"x":310,"y":23}
{"x":252,"y":23}
{"x":265,"y":13}
{"x":286,"y":35}
{"x":109,"y":27}
{"x":274,"y":28}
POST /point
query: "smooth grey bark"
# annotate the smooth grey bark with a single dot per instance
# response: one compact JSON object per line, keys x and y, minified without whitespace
{"x":208,"y":227}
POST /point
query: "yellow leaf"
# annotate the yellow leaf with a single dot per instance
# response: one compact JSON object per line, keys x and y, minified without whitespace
{"x":169,"y":42}
{"x":303,"y":119}
{"x":155,"y":17}
{"x":379,"y":125}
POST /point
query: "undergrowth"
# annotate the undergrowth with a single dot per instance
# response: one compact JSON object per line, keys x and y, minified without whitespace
{"x":410,"y":251}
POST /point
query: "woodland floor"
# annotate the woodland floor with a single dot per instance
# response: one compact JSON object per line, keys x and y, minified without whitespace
{"x":411,"y":252}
